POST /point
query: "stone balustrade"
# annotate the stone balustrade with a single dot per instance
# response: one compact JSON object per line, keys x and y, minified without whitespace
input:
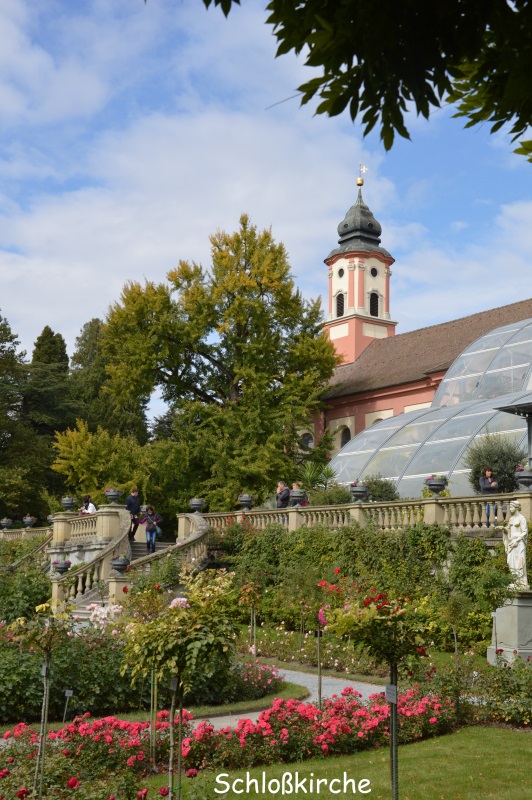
{"x":23,"y":534}
{"x":83,"y":578}
{"x":105,"y":525}
{"x":83,"y":528}
{"x":466,"y":514}
{"x":88,"y":542}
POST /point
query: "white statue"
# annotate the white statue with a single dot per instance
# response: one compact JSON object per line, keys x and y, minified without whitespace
{"x":514,"y":536}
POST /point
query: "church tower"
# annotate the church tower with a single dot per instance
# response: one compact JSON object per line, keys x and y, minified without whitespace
{"x":359,"y":284}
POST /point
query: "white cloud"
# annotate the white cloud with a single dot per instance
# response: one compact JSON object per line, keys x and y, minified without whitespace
{"x":161,"y":188}
{"x":132,"y":132}
{"x":458,"y":225}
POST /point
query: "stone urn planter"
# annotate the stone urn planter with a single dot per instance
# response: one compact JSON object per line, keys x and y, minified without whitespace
{"x":359,"y":492}
{"x":197,"y":504}
{"x":436,"y":484}
{"x":113,"y":495}
{"x":245,"y":501}
{"x":298,"y":495}
{"x":524,"y":479}
{"x":120,"y":564}
{"x":61,"y":566}
{"x":29,"y":521}
{"x":6,"y":523}
{"x":69,"y":503}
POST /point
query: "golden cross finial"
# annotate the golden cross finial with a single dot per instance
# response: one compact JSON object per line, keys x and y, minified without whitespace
{"x":361,"y":170}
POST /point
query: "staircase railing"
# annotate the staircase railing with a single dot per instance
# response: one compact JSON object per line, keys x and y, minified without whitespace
{"x":40,"y":550}
{"x":192,"y":551}
{"x":78,"y":582}
{"x":81,"y":579}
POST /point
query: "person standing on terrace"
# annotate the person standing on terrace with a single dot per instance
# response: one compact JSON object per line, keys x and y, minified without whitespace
{"x":489,"y":485}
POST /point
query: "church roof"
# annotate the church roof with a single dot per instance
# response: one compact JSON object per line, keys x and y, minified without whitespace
{"x":412,"y":356}
{"x":359,"y":230}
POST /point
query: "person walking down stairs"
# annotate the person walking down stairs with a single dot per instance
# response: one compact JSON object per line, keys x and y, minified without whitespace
{"x":152,"y":528}
{"x":133,"y":506}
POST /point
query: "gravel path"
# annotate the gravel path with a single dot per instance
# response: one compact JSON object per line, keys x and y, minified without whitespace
{"x":329,"y":686}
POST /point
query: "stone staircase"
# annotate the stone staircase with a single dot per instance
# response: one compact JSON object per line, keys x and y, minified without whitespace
{"x":83,"y":587}
{"x":93,"y":596}
{"x":139,"y":550}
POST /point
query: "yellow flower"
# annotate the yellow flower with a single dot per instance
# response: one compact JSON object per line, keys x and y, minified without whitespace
{"x":42,"y":608}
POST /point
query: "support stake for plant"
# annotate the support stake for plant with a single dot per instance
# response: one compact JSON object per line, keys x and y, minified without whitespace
{"x":39,"y":760}
{"x":179,"y":743}
{"x":394,"y":752}
{"x":153,"y":716}
{"x":173,"y":688}
{"x":319,"y":666}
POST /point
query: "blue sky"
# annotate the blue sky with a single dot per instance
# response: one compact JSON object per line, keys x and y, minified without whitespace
{"x":130,"y":132}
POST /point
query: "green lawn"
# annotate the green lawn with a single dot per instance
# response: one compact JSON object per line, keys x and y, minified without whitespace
{"x":471,"y":764}
{"x":289,"y":690}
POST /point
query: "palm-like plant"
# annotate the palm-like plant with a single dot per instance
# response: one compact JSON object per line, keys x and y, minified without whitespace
{"x":317,"y":476}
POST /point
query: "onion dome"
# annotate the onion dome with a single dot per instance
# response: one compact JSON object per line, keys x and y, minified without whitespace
{"x":359,"y":230}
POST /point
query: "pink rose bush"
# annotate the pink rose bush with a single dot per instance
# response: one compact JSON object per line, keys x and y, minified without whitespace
{"x":292,"y":731}
{"x":94,"y":759}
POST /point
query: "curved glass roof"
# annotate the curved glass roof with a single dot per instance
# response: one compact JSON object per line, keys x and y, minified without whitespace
{"x":408,"y":447}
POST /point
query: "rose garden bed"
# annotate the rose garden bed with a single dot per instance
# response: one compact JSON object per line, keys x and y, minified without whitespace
{"x":98,"y":759}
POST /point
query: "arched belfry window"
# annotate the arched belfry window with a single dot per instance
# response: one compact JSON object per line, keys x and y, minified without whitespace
{"x":346,"y":437}
{"x":374,"y":304}
{"x":340,"y":305}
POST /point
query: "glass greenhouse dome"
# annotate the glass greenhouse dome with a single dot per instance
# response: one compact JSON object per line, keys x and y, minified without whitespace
{"x":495,"y":370}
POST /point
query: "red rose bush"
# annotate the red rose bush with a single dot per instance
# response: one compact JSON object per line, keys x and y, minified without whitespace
{"x":86,"y":759}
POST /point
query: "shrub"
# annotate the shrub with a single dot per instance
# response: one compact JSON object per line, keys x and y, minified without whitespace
{"x":88,"y":663}
{"x":334,"y":495}
{"x":381,"y":489}
{"x":500,"y":453}
{"x":13,"y":550}
{"x":21,"y":591}
{"x":507,"y":690}
{"x":165,"y":570}
{"x":91,"y":759}
{"x":286,"y":567}
{"x":500,"y":693}
{"x":480,"y":576}
{"x":243,"y":681}
{"x":300,"y":646}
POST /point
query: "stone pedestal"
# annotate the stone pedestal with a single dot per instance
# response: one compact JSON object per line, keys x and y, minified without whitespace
{"x":184,"y":526}
{"x":512,"y":629}
{"x":61,"y":525}
{"x":58,"y":595}
{"x":433,"y":511}
{"x":108,"y":521}
{"x":116,"y":584}
{"x":357,"y":515}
